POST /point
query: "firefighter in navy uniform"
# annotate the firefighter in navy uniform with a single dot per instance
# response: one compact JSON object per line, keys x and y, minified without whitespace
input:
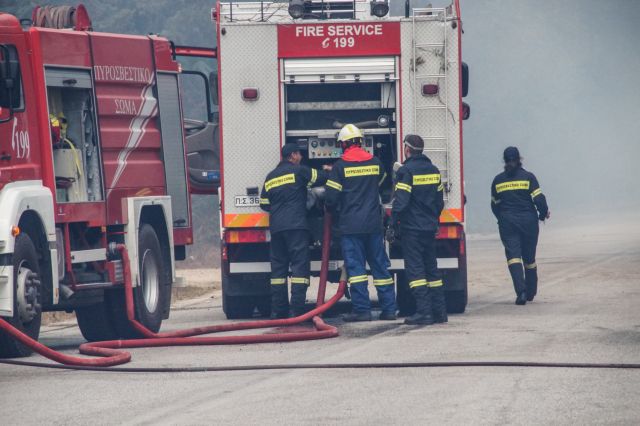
{"x":518,"y":204}
{"x":353,"y":191}
{"x":284,"y":196}
{"x":417,"y":204}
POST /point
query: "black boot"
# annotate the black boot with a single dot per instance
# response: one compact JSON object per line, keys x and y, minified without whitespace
{"x":517,"y":276}
{"x":531,"y":280}
{"x":423,"y":314}
{"x":439,"y":305}
{"x":298,"y":299}
{"x":279,"y":301}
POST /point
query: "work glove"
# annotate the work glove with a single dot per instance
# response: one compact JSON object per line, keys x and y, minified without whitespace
{"x":390,"y":235}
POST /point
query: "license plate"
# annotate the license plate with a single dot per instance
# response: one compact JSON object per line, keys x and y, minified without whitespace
{"x":247,"y":201}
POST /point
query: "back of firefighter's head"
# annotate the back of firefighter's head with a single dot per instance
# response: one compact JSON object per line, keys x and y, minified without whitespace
{"x":512,"y":159}
{"x":413,"y":145}
{"x":291,"y":153}
{"x":349,"y":136}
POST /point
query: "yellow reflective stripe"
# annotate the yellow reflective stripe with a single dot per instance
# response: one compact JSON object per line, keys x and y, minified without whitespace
{"x":277,"y":281}
{"x":440,"y":187}
{"x":382,"y":179}
{"x":361,"y":171}
{"x":514,"y":261}
{"x":417,"y":283}
{"x":384,"y":281}
{"x":512,"y":186}
{"x":494,"y":200}
{"x":530,"y":265}
{"x":357,"y":279}
{"x":434,"y":284}
{"x":314,"y":177}
{"x":299,"y":280}
{"x":334,"y":185}
{"x":403,"y":186}
{"x":535,"y":193}
{"x":279,"y":181}
{"x":431,"y":179}
{"x":264,"y":201}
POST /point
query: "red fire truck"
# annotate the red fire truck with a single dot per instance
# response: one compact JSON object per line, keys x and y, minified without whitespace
{"x":296,"y":72}
{"x":91,"y":155}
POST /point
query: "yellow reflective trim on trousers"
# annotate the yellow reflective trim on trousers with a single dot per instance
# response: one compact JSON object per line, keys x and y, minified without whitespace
{"x":334,"y":185}
{"x":514,"y":261}
{"x":434,"y":284}
{"x":535,"y":193}
{"x":314,"y":177}
{"x":403,"y":186}
{"x":512,"y":186}
{"x":279,"y":181}
{"x":299,"y":280}
{"x":264,"y":201}
{"x":361,"y":171}
{"x":431,"y":179}
{"x":530,"y":266}
{"x":278,"y":281}
{"x":417,"y":283}
{"x":358,"y":279}
{"x":384,"y":281}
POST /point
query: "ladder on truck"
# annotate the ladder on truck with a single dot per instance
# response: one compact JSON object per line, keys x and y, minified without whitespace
{"x":432,"y":54}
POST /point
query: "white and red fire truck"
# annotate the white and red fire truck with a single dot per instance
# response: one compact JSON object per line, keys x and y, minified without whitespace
{"x":91,"y":155}
{"x":295,"y":72}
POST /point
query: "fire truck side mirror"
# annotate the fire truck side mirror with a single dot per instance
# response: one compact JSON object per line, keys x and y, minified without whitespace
{"x":466,"y":111}
{"x":9,"y":78}
{"x":465,"y":79}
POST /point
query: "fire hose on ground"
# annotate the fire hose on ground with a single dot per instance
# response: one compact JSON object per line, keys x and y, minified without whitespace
{"x":110,"y":353}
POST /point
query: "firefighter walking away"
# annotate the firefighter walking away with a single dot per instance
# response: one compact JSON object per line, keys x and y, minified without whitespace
{"x":417,"y":204}
{"x":518,"y":203}
{"x":353,"y":194}
{"x":284,"y":196}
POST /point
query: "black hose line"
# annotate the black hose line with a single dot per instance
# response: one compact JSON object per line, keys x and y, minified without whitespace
{"x":381,"y":365}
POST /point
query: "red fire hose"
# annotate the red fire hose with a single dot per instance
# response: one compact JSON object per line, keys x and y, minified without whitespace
{"x":110,"y":353}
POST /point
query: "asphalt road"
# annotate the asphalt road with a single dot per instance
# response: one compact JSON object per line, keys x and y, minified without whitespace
{"x":586,"y":311}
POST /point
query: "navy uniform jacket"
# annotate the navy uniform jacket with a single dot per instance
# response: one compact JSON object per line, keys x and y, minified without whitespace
{"x":418,"y":199}
{"x":284,"y":195}
{"x":517,"y":195}
{"x":352,"y":189}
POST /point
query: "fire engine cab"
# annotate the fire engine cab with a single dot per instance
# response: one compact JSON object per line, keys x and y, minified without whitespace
{"x":91,"y":156}
{"x":297,"y":72}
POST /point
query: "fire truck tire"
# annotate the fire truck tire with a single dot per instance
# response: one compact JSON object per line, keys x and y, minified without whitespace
{"x":263,"y":304}
{"x":238,"y":307}
{"x":27,"y":308}
{"x":151,"y":295}
{"x":95,"y":323}
{"x":456,"y":299}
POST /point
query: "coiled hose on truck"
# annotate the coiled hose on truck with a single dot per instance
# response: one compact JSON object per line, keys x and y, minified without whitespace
{"x":110,"y":353}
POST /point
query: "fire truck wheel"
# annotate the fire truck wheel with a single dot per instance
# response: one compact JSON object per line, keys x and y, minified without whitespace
{"x":238,"y":307}
{"x":95,"y":323}
{"x":27,"y":308}
{"x":151,"y":294}
{"x":263,"y":303}
{"x":456,"y":299}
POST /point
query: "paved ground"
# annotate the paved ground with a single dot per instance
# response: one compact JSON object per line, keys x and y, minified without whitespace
{"x":586,"y":311}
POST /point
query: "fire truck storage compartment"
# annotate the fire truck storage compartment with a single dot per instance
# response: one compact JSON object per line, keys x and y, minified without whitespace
{"x":323,"y":94}
{"x":76,"y":155}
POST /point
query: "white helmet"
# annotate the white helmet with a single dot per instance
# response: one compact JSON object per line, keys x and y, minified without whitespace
{"x":348,"y":132}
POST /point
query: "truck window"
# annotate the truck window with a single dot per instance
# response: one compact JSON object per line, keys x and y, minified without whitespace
{"x":74,"y":136}
{"x":10,"y":69}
